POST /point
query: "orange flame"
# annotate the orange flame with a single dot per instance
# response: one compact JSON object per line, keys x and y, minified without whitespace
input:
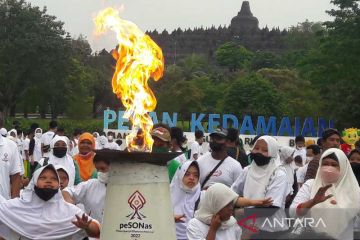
{"x":138,"y":58}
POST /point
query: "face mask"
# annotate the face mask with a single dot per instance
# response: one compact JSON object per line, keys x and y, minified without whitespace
{"x":38,"y":135}
{"x":308,"y":159}
{"x":160,"y":149}
{"x":103,"y":177}
{"x":45,"y":193}
{"x":329,"y":174}
{"x":299,"y":148}
{"x":59,"y":152}
{"x":260,"y":159}
{"x":110,"y":138}
{"x":216,"y":147}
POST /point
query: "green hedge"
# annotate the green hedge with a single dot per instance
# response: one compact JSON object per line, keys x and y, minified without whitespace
{"x":89,"y":125}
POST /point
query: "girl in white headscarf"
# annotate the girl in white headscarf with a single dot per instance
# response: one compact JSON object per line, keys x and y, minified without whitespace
{"x":59,"y":155}
{"x":185,"y":191}
{"x":265,"y":178}
{"x":36,"y":153}
{"x":42,"y":214}
{"x":286,"y":157}
{"x":333,"y":196}
{"x":214,"y":218}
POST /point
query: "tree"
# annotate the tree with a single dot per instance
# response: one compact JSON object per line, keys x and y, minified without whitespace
{"x":233,"y":56}
{"x":333,"y":66}
{"x":264,"y":60}
{"x":253,"y":95}
{"x":31,"y":49}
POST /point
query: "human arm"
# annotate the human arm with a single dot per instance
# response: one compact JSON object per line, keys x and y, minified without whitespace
{"x":67,"y":197}
{"x":245,"y":202}
{"x":89,"y":225}
{"x":15,"y":181}
{"x":214,"y":226}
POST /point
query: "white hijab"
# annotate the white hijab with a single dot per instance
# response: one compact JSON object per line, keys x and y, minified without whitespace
{"x":217,"y":196}
{"x":184,"y":199}
{"x":345,"y":192}
{"x":11,"y":137}
{"x":258,"y":177}
{"x":67,"y":161}
{"x":37,"y":219}
{"x":285,"y":152}
{"x":36,"y":130}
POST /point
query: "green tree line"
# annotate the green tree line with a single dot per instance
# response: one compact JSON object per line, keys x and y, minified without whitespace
{"x":43,"y":69}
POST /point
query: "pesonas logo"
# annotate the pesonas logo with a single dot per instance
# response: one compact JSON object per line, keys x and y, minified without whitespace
{"x":132,"y":225}
{"x":136,"y":202}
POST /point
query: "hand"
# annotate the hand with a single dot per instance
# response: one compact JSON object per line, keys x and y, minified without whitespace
{"x":262,"y":203}
{"x":82,"y":222}
{"x":320,"y":195}
{"x":179,"y":218}
{"x":215,"y":222}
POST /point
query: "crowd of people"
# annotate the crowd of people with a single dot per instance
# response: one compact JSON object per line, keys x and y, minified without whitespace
{"x":54,"y":187}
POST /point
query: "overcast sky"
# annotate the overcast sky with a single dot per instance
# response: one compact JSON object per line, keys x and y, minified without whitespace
{"x":171,"y":14}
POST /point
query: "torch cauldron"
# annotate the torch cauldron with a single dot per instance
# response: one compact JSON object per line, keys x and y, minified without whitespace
{"x":138,"y":204}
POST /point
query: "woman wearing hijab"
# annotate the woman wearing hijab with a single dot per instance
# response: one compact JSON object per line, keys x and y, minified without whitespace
{"x":85,"y":156}
{"x":333,"y":196}
{"x":185,"y":191}
{"x":286,"y":154}
{"x":265,"y":178}
{"x":59,"y":155}
{"x":42,"y":214}
{"x":214,"y":220}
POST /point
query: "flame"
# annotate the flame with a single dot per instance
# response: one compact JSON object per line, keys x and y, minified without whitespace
{"x":138,"y":59}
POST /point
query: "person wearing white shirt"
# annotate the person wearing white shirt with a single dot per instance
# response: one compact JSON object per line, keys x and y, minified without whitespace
{"x":333,"y":196}
{"x":10,"y":169}
{"x":313,"y":152}
{"x":300,"y":149}
{"x":228,"y":171}
{"x":177,"y":140}
{"x":111,"y":144}
{"x":47,"y":137}
{"x":265,"y":178}
{"x":92,"y":192}
{"x":195,"y":148}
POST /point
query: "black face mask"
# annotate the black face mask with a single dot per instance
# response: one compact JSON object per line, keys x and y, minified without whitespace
{"x":260,"y":159}
{"x":59,"y":152}
{"x":216,"y":147}
{"x":45,"y":193}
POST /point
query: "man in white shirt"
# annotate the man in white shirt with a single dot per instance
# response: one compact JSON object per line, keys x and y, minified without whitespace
{"x":10,"y":168}
{"x":47,"y":137}
{"x":195,"y":148}
{"x":111,"y":144}
{"x":228,"y":171}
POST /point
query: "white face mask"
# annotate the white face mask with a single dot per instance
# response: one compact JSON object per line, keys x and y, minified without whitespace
{"x":38,"y":135}
{"x":103,"y":177}
{"x":110,"y":138}
{"x":308,"y":159}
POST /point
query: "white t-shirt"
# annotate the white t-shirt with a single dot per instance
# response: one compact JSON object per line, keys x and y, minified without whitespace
{"x":194,"y":149}
{"x":46,"y":139}
{"x":10,"y":164}
{"x":91,"y":194}
{"x":301,"y":153}
{"x":37,"y":150}
{"x":227,"y":173}
{"x":301,"y":172}
{"x":276,"y":190}
{"x":196,"y":230}
{"x":112,"y":146}
{"x":26,"y":144}
{"x":181,"y":158}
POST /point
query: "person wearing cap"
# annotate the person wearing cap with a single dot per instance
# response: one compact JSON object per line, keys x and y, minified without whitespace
{"x":228,"y":170}
{"x":162,"y":144}
{"x":330,"y":139}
